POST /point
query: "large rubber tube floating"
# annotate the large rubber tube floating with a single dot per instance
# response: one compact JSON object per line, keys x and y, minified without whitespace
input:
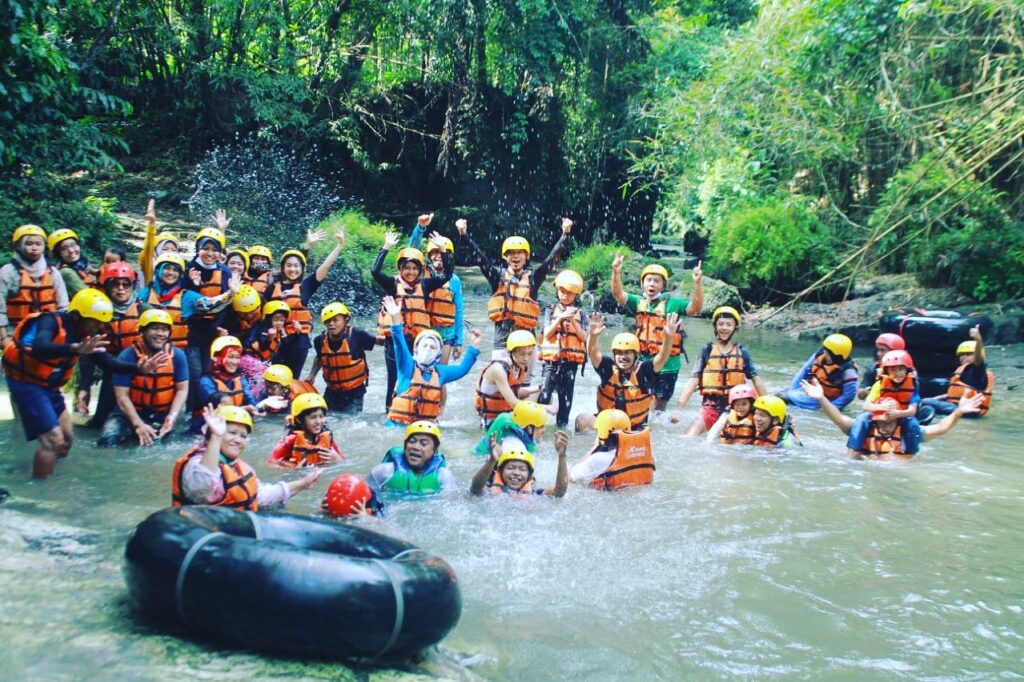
{"x":933,"y":331}
{"x":289,"y":584}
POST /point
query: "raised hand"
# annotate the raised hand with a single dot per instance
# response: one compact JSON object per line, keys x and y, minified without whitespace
{"x":561,"y":443}
{"x":976,"y":332}
{"x":597,"y":325}
{"x":221,"y":220}
{"x":697,"y":272}
{"x":813,"y":389}
{"x":196,"y":276}
{"x":339,"y":237}
{"x":151,"y":211}
{"x":970,"y":404}
{"x":234,"y":284}
{"x":566,"y":226}
{"x":474,"y":338}
{"x":617,"y":262}
{"x":150,"y":364}
{"x":391,"y":240}
{"x":296,"y":327}
{"x":93,"y":344}
{"x":425,"y":219}
{"x":494,"y":448}
{"x":672,"y":323}
{"x":215,"y":424}
{"x":462,"y":226}
{"x":392,"y":308}
{"x":312,"y":237}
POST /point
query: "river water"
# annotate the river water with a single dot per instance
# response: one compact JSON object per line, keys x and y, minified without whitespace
{"x":737,"y":563}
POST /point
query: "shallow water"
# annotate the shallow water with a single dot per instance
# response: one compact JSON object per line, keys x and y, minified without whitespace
{"x":736,"y":563}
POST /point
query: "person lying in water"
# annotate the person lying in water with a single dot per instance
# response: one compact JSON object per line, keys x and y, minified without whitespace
{"x":511,"y":472}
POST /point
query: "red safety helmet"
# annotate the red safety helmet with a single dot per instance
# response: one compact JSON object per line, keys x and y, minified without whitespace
{"x":884,"y":405}
{"x":891,"y":341}
{"x":898,"y":358}
{"x":344,"y":493}
{"x":742,"y":391}
{"x":118,"y":270}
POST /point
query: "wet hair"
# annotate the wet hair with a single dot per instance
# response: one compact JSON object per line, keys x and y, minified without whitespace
{"x":117,"y":251}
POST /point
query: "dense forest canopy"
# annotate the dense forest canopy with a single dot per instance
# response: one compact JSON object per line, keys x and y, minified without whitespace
{"x":790,"y":139}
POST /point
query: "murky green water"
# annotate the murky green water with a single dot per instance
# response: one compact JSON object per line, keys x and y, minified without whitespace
{"x":736,"y":563}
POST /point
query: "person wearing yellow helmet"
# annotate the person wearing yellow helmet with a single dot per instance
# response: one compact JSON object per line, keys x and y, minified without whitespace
{"x":721,"y":365}
{"x":420,"y":374}
{"x":416,"y":468}
{"x":504,"y":383}
{"x":237,"y":260}
{"x":519,"y":429}
{"x":772,"y":427}
{"x":651,"y":307}
{"x":167,"y":291}
{"x":274,"y":339}
{"x":309,"y":441}
{"x":214,"y":473}
{"x":620,"y":458}
{"x":627,"y":382}
{"x":514,"y":304}
{"x":39,"y":361}
{"x":833,"y":367}
{"x":971,"y":376}
{"x":28,"y":284}
{"x":225,"y":377}
{"x":258,"y":274}
{"x":511,"y":472}
{"x":341,"y":354}
{"x":563,"y":346}
{"x":444,"y":305}
{"x":155,"y":244}
{"x":65,"y":248}
{"x":148,"y":404}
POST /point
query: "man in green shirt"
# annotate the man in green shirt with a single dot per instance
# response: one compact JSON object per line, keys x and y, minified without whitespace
{"x":650,"y":310}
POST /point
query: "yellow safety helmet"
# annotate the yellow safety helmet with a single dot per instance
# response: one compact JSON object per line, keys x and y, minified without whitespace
{"x":222,"y":342}
{"x":246,"y":300}
{"x":839,"y":345}
{"x":410,"y":253}
{"x":234,"y":414}
{"x":529,"y":413}
{"x":171,"y":258}
{"x":611,"y":420}
{"x":516,"y":455}
{"x":279,"y":374}
{"x":515,"y":243}
{"x":570,"y":280}
{"x":165,"y":237}
{"x":294,"y":252}
{"x":429,"y":428}
{"x":93,"y":304}
{"x":239,"y":251}
{"x":654,"y":269}
{"x":212,"y":233}
{"x":308,"y":401}
{"x":155,"y":316}
{"x":28,"y":231}
{"x":520,"y":338}
{"x":626,"y":341}
{"x":334,"y":309}
{"x":260,"y":250}
{"x":54,"y":240}
{"x":271,"y":307}
{"x":773,"y":405}
{"x":967,"y":347}
{"x":428,"y":332}
{"x":726,"y":310}
{"x":439,"y":244}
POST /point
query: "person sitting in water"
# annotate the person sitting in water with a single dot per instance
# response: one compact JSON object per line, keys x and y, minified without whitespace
{"x":502,"y":383}
{"x":445,"y":305}
{"x":310,"y":443}
{"x":415,"y":468}
{"x":350,"y":495}
{"x":65,"y":248}
{"x":519,"y":429}
{"x":620,"y":458}
{"x":772,"y":426}
{"x":148,"y":404}
{"x":883,"y":344}
{"x":720,"y":365}
{"x":563,"y":347}
{"x":736,"y":427}
{"x":510,"y":472}
{"x":833,"y":369}
{"x":276,"y":394}
{"x":627,"y":383}
{"x":341,"y":354}
{"x":274,"y":339}
{"x":213,"y":472}
{"x":971,"y":376}
{"x":224,"y":377}
{"x":420,"y":375}
{"x":651,"y":310}
{"x":874,"y":436}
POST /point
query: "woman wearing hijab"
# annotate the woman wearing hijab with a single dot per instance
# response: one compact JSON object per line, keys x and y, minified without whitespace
{"x":66,"y":251}
{"x":28,"y":284}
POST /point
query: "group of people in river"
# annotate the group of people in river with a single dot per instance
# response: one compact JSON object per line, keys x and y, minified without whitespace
{"x":226,"y":336}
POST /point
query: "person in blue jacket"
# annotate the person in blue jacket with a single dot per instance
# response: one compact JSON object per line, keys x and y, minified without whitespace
{"x":445,"y":305}
{"x":833,"y":369}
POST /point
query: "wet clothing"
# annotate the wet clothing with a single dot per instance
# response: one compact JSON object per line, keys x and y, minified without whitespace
{"x":200,"y":485}
{"x":909,"y":432}
{"x":672,"y":305}
{"x":846,"y":375}
{"x":394,"y":476}
{"x":10,"y":286}
{"x":719,"y":399}
{"x":635,"y":400}
{"x":130,"y":355}
{"x":450,"y":334}
{"x":509,"y":434}
{"x":359,"y":342}
{"x":405,"y":364}
{"x":560,"y":378}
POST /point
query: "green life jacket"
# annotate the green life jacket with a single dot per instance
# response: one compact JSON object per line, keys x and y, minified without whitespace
{"x":405,"y":481}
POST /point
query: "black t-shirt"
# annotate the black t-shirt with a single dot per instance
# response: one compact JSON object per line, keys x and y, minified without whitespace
{"x":646,"y":377}
{"x":359,"y":342}
{"x":975,"y":376}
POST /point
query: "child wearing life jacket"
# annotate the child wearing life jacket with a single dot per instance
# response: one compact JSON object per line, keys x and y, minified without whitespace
{"x":350,"y":495}
{"x":66,"y":250}
{"x":224,"y":377}
{"x":274,"y":339}
{"x":720,"y":365}
{"x":420,"y":374}
{"x":972,"y":376}
{"x":883,"y":344}
{"x":519,"y":429}
{"x":445,"y":305}
{"x":514,"y":302}
{"x":503,"y":383}
{"x":651,"y":308}
{"x":772,"y":428}
{"x":416,"y":467}
{"x":896,"y":381}
{"x":620,"y":458}
{"x":833,"y":369}
{"x":214,"y":473}
{"x":310,"y":442}
{"x":736,"y":427}
{"x":341,"y":354}
{"x":245,"y":312}
{"x":563,"y":345}
{"x":510,"y":472}
{"x":276,"y":391}
{"x":411,"y":290}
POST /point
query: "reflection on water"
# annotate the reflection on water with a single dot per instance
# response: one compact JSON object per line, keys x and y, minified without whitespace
{"x":736,"y":563}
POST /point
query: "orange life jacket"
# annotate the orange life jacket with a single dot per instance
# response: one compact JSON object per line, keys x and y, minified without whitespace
{"x":829,"y":375}
{"x":633,"y":463}
{"x":246,"y":321}
{"x":233,"y":390}
{"x":259,"y":283}
{"x":901,"y":393}
{"x":341,"y":371}
{"x":771,"y":439}
{"x":496,"y":486}
{"x":441,"y":306}
{"x":20,"y":363}
{"x":306,"y":453}
{"x":957,"y":389}
{"x":265,"y":350}
{"x":123,"y":330}
{"x":241,"y":487}
{"x":179,"y":331}
{"x":490,"y":405}
{"x":422,"y":400}
{"x":153,"y":392}
{"x":737,"y":431}
{"x":513,"y":301}
{"x":625,"y":395}
{"x":211,"y":288}
{"x":292,"y":295}
{"x":876,"y":445}
{"x":722,"y":371}
{"x":564,"y":345}
{"x":31,"y":296}
{"x":415,"y":317}
{"x":87,"y":276}
{"x":650,"y":328}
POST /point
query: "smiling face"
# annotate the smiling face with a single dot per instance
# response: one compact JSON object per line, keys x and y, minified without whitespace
{"x":898,"y":373}
{"x":276,"y":389}
{"x":69,"y":251}
{"x":155,"y":336}
{"x":436,"y":260}
{"x":169,"y":275}
{"x":313,"y":421}
{"x":515,"y":473}
{"x":652,"y":285}
{"x":516,"y":259}
{"x":32,"y":248}
{"x":292,"y":268}
{"x":233,"y":443}
{"x":419,"y":450}
{"x":167,"y":246}
{"x":762,"y":421}
{"x":209,"y":254}
{"x":232,"y":360}
{"x":624,"y":359}
{"x":236,"y":264}
{"x":119,"y":289}
{"x":410,"y":271}
{"x":742,"y":406}
{"x":725,"y":327}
